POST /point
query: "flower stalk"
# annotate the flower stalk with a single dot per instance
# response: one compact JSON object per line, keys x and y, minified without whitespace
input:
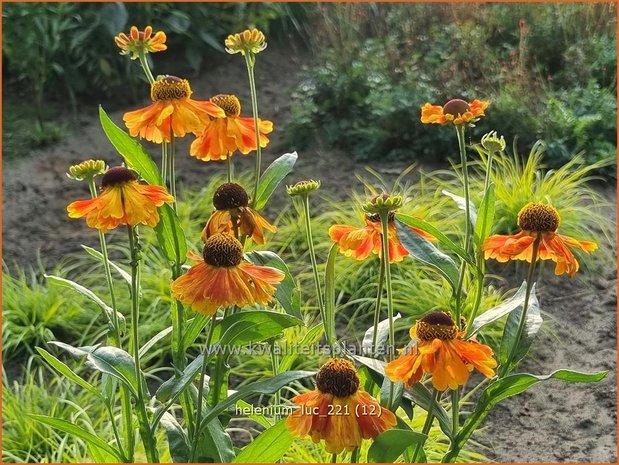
{"x":312,"y":252}
{"x":379,"y":297}
{"x":145,"y":432}
{"x":250,"y":61}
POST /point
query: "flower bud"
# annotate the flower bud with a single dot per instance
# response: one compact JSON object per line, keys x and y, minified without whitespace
{"x":87,"y":170}
{"x":303,"y":187}
{"x":492,"y":142}
{"x":249,"y":41}
{"x":383,"y":203}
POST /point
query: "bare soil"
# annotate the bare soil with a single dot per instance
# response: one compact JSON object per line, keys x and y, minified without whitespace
{"x":552,"y":422}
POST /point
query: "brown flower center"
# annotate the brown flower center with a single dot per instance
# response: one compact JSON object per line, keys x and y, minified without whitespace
{"x":436,"y":325}
{"x":117,"y":175}
{"x":338,"y":377}
{"x":456,"y":107}
{"x":229,"y":103}
{"x":375,"y":218}
{"x":230,"y":195}
{"x":222,"y":250}
{"x":539,"y":217}
{"x":170,"y":88}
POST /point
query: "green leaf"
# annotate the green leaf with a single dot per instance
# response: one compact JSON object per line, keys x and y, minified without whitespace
{"x":193,"y":329}
{"x":63,"y":369}
{"x":461,"y":203}
{"x":154,"y":340}
{"x":178,"y":442}
{"x":172,"y":388}
{"x":533,"y":323}
{"x":418,"y":393}
{"x":171,"y":236}
{"x":132,"y":152}
{"x":391,"y":444}
{"x":109,"y":360}
{"x":442,"y":238}
{"x":272,"y":177}
{"x":485,"y":218}
{"x":215,"y":445}
{"x":500,"y":310}
{"x":240,"y":329}
{"x":429,"y":255}
{"x":507,"y":387}
{"x":249,"y":411}
{"x":266,"y":386}
{"x":90,"y":295}
{"x":78,"y":431}
{"x":99,"y":256}
{"x":383,"y":334}
{"x":287,"y":292}
{"x":268,"y":447}
{"x":329,"y":301}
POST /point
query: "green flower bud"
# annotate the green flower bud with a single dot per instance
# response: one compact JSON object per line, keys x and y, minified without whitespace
{"x":383,"y":203}
{"x":493,"y":143}
{"x":303,"y":187}
{"x":87,"y":170}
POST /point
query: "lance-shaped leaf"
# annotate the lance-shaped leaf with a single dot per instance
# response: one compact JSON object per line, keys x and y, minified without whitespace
{"x":426,"y":253}
{"x":268,"y":447}
{"x":287,"y":293}
{"x":483,"y":225}
{"x":500,"y":310}
{"x":461,"y":203}
{"x":132,"y":152}
{"x":272,"y":177}
{"x":533,"y":322}
{"x":243,"y":328}
{"x":388,"y":446}
{"x":106,"y":359}
{"x":329,"y":300}
{"x":171,"y":236}
{"x":178,"y":442}
{"x":99,"y":256}
{"x":507,"y":387}
{"x":109,"y":313}
{"x":381,"y":338}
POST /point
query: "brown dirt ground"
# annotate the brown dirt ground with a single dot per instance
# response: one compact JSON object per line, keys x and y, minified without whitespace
{"x":552,"y":422}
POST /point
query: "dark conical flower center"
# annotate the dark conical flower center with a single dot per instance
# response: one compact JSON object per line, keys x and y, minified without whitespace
{"x":456,"y":107}
{"x":117,"y":175}
{"x":229,"y":103}
{"x":539,"y":217}
{"x":170,"y":88}
{"x":222,"y":250}
{"x":436,"y":325}
{"x":338,"y":377}
{"x":230,"y":195}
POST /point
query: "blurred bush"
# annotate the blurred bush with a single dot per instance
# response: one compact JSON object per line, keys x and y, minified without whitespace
{"x":70,"y":46}
{"x":547,"y":69}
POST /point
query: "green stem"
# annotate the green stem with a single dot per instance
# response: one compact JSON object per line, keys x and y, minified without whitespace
{"x":146,"y":68}
{"x":125,"y":395}
{"x":275,"y":370}
{"x":205,"y":358}
{"x":455,"y":410}
{"x":333,"y":458}
{"x":171,"y":157}
{"x":467,"y":228}
{"x":164,"y":162}
{"x":249,"y":61}
{"x":379,"y":297}
{"x":116,"y":435}
{"x":354,"y":456}
{"x":523,"y":317}
{"x":229,"y":168}
{"x":312,"y":253}
{"x":384,"y":220}
{"x":148,"y":439}
{"x":428,"y":423}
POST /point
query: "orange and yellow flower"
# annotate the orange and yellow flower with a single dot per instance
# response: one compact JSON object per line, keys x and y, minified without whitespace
{"x":249,"y":41}
{"x":223,"y":135}
{"x":440,"y":350}
{"x":222,"y":279}
{"x":233,"y":215}
{"x":122,"y":201}
{"x":455,"y":111}
{"x":173,"y":111}
{"x":140,"y":42}
{"x":337,"y":411}
{"x":360,"y":241}
{"x":538,"y":221}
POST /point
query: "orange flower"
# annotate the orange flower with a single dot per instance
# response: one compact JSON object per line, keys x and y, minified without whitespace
{"x":140,"y":42}
{"x":439,"y":350}
{"x":538,"y":220}
{"x":337,"y":411}
{"x":225,"y":134}
{"x":172,"y":111}
{"x":220,"y":279}
{"x":360,"y":242}
{"x":122,"y":201}
{"x":248,"y":41}
{"x":455,"y":111}
{"x":232,"y":213}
